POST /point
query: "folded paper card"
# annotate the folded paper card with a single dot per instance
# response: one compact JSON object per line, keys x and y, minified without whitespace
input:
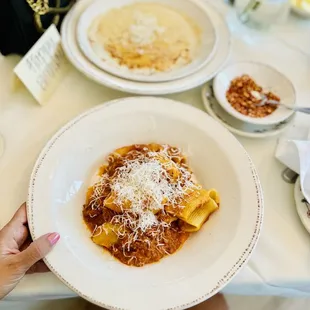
{"x":43,"y":67}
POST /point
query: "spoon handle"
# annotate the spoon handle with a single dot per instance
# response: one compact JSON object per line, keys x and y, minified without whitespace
{"x":305,"y":110}
{"x":302,"y":110}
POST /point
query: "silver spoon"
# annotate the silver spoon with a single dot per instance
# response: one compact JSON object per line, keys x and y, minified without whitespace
{"x":265,"y":100}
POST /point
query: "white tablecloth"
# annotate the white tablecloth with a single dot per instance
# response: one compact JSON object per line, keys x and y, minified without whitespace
{"x":281,"y":262}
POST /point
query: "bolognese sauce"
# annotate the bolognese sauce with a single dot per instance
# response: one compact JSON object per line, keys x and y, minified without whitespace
{"x":136,"y":210}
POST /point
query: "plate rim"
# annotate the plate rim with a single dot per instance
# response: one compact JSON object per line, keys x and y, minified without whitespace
{"x":87,"y":50}
{"x":138,"y":87}
{"x":299,"y":205}
{"x":229,"y":275}
{"x":258,"y":135}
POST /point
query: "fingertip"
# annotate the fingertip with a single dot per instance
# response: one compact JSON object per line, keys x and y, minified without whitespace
{"x":53,"y":238}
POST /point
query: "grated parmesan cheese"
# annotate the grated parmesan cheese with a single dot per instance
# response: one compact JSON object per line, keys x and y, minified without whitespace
{"x":145,"y":182}
{"x":144,"y":29}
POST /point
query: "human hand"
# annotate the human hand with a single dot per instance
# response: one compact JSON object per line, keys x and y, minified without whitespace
{"x":18,"y":254}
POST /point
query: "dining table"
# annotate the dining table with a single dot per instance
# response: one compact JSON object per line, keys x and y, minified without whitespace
{"x":280,"y":264}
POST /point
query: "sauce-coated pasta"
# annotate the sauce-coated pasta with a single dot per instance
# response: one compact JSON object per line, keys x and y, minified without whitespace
{"x":146,"y":203}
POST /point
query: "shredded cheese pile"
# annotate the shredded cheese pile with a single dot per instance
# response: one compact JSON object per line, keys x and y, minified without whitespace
{"x":144,"y":29}
{"x":146,"y":184}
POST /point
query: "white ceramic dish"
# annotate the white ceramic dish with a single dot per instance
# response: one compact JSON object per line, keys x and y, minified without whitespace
{"x":237,"y":126}
{"x":206,"y":73}
{"x":195,"y":9}
{"x":303,"y":12}
{"x":207,"y":261}
{"x":302,"y":206}
{"x":265,"y":76}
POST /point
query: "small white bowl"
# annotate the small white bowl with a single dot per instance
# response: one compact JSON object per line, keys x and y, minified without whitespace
{"x":265,"y":76}
{"x":237,"y":126}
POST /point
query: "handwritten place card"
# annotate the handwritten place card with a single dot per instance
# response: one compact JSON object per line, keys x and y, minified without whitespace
{"x":41,"y":70}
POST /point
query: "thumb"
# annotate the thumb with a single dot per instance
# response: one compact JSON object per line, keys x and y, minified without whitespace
{"x":37,"y":250}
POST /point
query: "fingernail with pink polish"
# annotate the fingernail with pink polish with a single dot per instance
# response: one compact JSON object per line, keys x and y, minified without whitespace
{"x":53,"y":238}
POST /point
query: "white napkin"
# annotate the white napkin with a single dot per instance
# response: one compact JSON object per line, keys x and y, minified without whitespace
{"x":294,"y":151}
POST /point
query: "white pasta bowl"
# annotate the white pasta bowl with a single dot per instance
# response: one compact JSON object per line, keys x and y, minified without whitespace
{"x":197,"y":10}
{"x":208,"y":260}
{"x":268,"y":78}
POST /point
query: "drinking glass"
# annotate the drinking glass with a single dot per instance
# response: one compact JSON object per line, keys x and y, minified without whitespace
{"x":261,"y":14}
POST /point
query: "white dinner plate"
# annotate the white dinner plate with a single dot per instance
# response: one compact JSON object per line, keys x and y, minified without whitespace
{"x":207,"y":261}
{"x":302,"y":206}
{"x":77,"y":58}
{"x":194,"y":9}
{"x":235,"y":125}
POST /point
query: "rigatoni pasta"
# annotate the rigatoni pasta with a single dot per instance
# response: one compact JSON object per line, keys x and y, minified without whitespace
{"x":146,"y":203}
